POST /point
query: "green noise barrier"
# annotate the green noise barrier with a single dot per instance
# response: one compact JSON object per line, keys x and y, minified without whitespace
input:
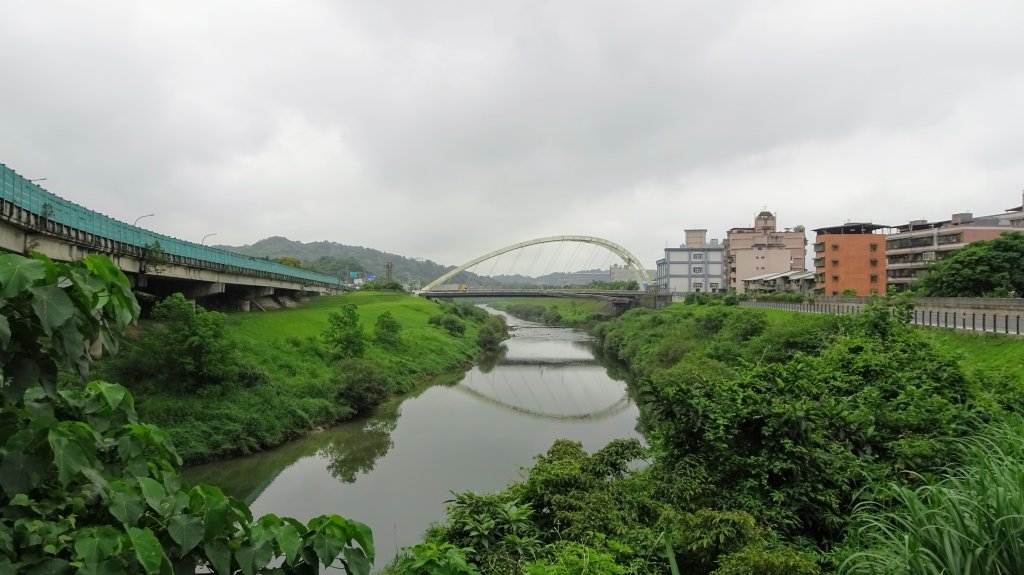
{"x":30,"y":206}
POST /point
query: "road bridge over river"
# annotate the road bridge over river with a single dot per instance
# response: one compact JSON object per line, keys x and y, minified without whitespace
{"x":621,"y":298}
{"x":35,"y":220}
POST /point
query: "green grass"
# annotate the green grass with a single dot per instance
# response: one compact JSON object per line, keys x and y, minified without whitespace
{"x":968,"y":521}
{"x":301,"y":390}
{"x":975,"y":351}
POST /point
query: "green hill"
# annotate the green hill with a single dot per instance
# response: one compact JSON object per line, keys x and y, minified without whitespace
{"x":339,"y":259}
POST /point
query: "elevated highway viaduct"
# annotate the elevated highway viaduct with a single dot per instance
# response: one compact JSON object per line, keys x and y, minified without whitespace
{"x":35,"y":220}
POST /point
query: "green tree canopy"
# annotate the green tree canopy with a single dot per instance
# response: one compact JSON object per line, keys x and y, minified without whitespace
{"x":990,"y":268}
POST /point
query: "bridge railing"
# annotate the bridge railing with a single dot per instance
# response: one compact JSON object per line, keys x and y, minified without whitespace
{"x":29,"y":206}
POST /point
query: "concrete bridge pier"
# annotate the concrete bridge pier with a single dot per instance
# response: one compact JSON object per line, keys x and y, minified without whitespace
{"x":196,"y":290}
{"x":244,"y":296}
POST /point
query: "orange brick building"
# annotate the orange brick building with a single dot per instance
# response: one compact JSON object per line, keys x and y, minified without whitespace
{"x":849,"y":257}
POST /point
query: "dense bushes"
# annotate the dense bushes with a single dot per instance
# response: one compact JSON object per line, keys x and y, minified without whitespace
{"x":187,"y":348}
{"x":764,"y":436}
{"x":85,"y":486}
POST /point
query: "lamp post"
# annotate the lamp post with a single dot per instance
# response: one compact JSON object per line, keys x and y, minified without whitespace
{"x":203,"y":241}
{"x":38,"y":180}
{"x":140,"y":217}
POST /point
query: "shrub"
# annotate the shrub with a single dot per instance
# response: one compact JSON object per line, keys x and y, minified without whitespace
{"x":387,"y":331}
{"x":344,"y":335}
{"x":187,"y":349}
{"x":364,"y":386}
{"x":453,"y":325}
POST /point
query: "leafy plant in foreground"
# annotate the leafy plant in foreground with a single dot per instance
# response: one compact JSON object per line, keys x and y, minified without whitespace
{"x":84,"y":486}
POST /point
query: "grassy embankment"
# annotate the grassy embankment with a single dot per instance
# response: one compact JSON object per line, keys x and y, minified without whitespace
{"x":298,"y":387}
{"x":569,"y":312}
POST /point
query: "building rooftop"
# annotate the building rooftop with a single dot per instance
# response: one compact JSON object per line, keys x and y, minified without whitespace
{"x":851,"y":228}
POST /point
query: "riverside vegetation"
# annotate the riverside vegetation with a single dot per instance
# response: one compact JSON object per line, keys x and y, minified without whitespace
{"x":779,"y":444}
{"x":85,"y":487}
{"x":222,"y":385}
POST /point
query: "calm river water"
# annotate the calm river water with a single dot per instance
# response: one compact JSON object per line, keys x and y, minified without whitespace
{"x":394,"y":470}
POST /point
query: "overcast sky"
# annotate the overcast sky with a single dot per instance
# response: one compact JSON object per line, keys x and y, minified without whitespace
{"x":445,"y":129}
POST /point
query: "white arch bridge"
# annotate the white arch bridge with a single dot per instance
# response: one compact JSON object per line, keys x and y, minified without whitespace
{"x":434,"y":289}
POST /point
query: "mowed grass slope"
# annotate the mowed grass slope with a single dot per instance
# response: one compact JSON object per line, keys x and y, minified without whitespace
{"x":270,"y":338}
{"x":298,"y":385}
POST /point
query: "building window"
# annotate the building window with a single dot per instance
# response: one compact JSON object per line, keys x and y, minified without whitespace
{"x":713,"y":286}
{"x":874,"y":247}
{"x":835,"y":278}
{"x":874,"y":262}
{"x":698,"y":286}
{"x":698,"y":256}
{"x":835,"y":262}
{"x":835,"y":247}
{"x":874,"y":278}
{"x":698,"y":270}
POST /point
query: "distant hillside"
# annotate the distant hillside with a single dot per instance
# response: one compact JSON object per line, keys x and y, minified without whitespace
{"x":338,"y":259}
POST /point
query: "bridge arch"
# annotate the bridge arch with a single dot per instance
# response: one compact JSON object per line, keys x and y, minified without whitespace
{"x":642,"y":279}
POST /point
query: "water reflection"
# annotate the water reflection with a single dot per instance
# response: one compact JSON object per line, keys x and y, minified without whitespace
{"x":394,"y":470}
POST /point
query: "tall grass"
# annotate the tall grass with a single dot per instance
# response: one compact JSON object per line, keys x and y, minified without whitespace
{"x":968,"y":521}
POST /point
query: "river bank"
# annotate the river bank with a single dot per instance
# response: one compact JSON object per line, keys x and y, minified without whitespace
{"x":766,"y":431}
{"x":295,"y":383}
{"x":396,"y":469}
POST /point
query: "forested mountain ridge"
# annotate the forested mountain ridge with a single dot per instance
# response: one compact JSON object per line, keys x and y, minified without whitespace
{"x":339,"y":259}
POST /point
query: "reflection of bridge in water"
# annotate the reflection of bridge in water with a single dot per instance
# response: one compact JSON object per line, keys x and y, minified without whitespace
{"x":556,"y":390}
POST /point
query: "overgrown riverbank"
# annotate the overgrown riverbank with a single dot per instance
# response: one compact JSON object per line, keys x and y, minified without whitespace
{"x":567,"y":312}
{"x":287,"y":379}
{"x":766,"y":431}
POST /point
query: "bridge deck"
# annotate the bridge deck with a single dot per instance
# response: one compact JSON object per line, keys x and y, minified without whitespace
{"x":26,"y":205}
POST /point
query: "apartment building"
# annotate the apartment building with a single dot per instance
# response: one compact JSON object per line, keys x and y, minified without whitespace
{"x":695,"y":266}
{"x":850,"y":257}
{"x":916,"y":244}
{"x":762,"y":249}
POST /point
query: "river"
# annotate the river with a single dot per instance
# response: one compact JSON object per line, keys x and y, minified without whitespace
{"x":472,"y":432}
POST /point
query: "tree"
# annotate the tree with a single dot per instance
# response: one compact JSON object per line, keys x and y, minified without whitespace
{"x":387,"y":331}
{"x":343,"y":333}
{"x":981,"y":269}
{"x":189,"y":349}
{"x":289,"y":261}
{"x":84,"y":486}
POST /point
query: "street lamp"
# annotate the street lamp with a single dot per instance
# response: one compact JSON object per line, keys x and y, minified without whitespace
{"x":140,"y":217}
{"x":203,"y":241}
{"x":38,"y":179}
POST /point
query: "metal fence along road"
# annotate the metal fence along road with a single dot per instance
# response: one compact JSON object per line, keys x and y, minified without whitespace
{"x":965,"y":320}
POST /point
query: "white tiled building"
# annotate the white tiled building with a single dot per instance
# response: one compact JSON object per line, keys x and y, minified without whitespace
{"x":695,"y":266}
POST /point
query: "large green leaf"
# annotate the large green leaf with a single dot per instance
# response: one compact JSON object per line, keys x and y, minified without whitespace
{"x":363,"y":536}
{"x":97,"y":544}
{"x":53,"y":307}
{"x":187,"y":532}
{"x":19,"y":473}
{"x":153,"y":492}
{"x":357,"y":562}
{"x":289,"y":540}
{"x":148,"y":550}
{"x":68,"y":454}
{"x":219,"y":555}
{"x":253,"y":557}
{"x":126,"y":506}
{"x":17,"y":273}
{"x":5,"y":332}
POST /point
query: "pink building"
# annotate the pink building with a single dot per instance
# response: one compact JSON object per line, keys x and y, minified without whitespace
{"x":762,"y":249}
